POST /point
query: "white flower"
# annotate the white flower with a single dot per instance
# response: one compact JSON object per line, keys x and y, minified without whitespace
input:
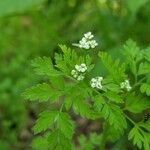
{"x":83,"y":43}
{"x":79,"y":71}
{"x":86,"y":42}
{"x":80,"y":77}
{"x":77,"y":67}
{"x":93,"y":43}
{"x":96,"y":82}
{"x":81,"y":68}
{"x":126,"y":85}
{"x":88,"y":35}
{"x":74,"y":73}
{"x":99,"y":79}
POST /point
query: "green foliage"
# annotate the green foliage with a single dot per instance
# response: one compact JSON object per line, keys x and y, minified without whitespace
{"x":112,"y":113}
{"x":40,"y":143}
{"x":44,"y":66}
{"x":27,"y":34}
{"x":136,"y":104}
{"x":46,"y":120}
{"x":116,"y":71}
{"x":90,"y":143}
{"x":66,"y":61}
{"x":139,"y":137}
{"x":134,"y":5}
{"x":62,"y":126}
{"x":42,"y":92}
{"x":144,"y":68}
{"x":145,"y":88}
{"x":58,"y":141}
{"x":18,"y":6}
{"x":109,"y":103}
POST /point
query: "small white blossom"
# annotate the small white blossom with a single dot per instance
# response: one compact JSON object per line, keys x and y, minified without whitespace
{"x":96,"y":82}
{"x":86,"y":42}
{"x":74,"y":73}
{"x":93,"y":43}
{"x":80,"y":77}
{"x":81,"y":68}
{"x":83,"y":43}
{"x":79,"y":71}
{"x":100,"y":79}
{"x":126,"y":85}
{"x":88,"y":35}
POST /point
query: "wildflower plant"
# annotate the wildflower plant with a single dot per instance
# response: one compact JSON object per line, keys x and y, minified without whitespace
{"x":115,"y":100}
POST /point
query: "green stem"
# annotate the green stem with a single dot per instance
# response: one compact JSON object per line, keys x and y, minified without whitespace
{"x":61,"y":108}
{"x":130,"y":120}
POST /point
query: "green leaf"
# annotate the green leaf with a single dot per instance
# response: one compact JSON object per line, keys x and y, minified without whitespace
{"x":113,"y":134}
{"x":84,"y":109}
{"x":45,"y":121}
{"x":112,"y":96}
{"x":115,"y":68}
{"x":145,"y":88}
{"x":57,"y":80}
{"x":133,"y":55}
{"x":64,"y":132}
{"x":145,"y":125}
{"x":131,"y":50}
{"x":66,"y":61}
{"x":8,"y":7}
{"x":66,"y":125}
{"x":40,"y":143}
{"x":44,"y":66}
{"x":136,"y":104}
{"x":136,"y":136}
{"x":147,"y":54}
{"x":139,"y":137}
{"x":112,"y":87}
{"x":112,"y":113}
{"x":144,"y":68}
{"x":42,"y":92}
{"x":90,"y":143}
{"x":78,"y":101}
{"x":58,"y":141}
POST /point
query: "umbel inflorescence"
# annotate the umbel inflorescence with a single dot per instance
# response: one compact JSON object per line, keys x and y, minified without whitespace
{"x":79,"y":71}
{"x":87,"y":41}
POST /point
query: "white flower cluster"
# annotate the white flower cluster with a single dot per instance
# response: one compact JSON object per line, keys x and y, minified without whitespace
{"x":126,"y":85}
{"x":79,"y":71}
{"x":87,"y":41}
{"x":96,"y":82}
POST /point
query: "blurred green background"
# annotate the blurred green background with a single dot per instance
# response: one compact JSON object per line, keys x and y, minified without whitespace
{"x":32,"y":28}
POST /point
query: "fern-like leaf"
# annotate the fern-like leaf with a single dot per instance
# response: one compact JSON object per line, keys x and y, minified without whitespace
{"x":112,"y":113}
{"x":44,"y":66}
{"x":42,"y":92}
{"x":115,"y":68}
{"x":45,"y":121}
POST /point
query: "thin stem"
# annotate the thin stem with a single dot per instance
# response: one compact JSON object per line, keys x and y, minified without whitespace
{"x":61,"y":108}
{"x":130,"y":119}
{"x":71,"y":78}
